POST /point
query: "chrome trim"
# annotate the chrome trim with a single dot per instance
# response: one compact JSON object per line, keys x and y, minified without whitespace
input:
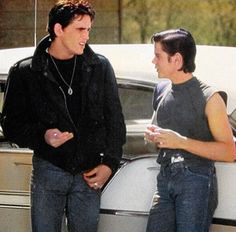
{"x":127,"y":157}
{"x":12,"y":192}
{"x":135,"y":81}
{"x":16,"y":150}
{"x":2,"y":206}
{"x":129,"y":213}
{"x":10,"y":199}
{"x":22,"y":164}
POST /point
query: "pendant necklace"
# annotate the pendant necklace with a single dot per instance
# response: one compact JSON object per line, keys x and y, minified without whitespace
{"x":70,"y":90}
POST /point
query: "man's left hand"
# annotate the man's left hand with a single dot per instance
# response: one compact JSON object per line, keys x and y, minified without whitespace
{"x":98,"y":176}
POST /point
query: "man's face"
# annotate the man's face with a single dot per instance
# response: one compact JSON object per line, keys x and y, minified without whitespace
{"x":163,"y":62}
{"x":72,"y":39}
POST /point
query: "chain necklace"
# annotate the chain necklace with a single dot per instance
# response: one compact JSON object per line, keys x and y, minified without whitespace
{"x":70,"y":90}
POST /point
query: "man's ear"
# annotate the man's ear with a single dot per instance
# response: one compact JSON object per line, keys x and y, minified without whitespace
{"x":178,"y":59}
{"x":58,"y":29}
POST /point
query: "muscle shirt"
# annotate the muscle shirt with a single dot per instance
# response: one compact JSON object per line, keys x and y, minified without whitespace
{"x":183,"y":110}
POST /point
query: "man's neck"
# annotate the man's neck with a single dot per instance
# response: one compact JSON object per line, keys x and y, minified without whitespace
{"x":181,"y":77}
{"x":58,"y":52}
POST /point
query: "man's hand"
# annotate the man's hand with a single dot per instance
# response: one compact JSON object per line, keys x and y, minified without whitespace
{"x":98,"y":176}
{"x":150,"y":133}
{"x":164,"y":138}
{"x":56,"y":138}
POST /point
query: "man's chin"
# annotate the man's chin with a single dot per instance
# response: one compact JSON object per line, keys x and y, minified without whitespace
{"x":159,"y":76}
{"x":80,"y":51}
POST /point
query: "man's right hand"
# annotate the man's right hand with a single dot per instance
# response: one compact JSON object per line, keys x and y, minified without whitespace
{"x":56,"y":138}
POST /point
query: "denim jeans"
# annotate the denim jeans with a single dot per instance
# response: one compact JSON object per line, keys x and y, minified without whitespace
{"x":55,"y":193}
{"x":187,"y":199}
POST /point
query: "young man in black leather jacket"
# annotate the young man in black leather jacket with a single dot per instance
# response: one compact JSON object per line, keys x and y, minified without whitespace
{"x":63,"y":103}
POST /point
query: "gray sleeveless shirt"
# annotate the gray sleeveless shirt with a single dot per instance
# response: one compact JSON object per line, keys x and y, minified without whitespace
{"x":183,"y":110}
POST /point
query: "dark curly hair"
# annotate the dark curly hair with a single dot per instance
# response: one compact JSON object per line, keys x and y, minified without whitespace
{"x":65,"y":11}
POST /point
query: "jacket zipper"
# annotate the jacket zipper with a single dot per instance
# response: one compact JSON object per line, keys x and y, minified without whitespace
{"x":64,"y":96}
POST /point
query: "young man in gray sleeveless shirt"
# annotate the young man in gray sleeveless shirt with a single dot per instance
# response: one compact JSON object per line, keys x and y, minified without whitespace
{"x":192,"y":132}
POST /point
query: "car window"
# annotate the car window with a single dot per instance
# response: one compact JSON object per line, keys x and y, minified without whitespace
{"x":136,"y":102}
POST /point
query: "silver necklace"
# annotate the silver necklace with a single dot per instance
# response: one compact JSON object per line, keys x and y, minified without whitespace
{"x":70,"y":90}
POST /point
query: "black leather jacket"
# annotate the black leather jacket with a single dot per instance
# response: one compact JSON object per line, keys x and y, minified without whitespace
{"x":34,"y":102}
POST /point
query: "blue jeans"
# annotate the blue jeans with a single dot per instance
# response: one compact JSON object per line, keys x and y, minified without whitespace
{"x":187,"y":199}
{"x":55,"y":193}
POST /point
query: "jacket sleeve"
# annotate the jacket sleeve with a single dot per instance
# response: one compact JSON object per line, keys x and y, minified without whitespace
{"x":18,"y":122}
{"x":115,"y":125}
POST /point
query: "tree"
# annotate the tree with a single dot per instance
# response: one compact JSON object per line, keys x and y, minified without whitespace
{"x":212,"y":22}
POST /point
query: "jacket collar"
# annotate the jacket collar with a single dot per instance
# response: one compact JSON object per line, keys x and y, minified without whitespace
{"x":39,"y":60}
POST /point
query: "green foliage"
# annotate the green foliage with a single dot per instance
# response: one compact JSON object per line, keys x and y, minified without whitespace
{"x":212,"y":22}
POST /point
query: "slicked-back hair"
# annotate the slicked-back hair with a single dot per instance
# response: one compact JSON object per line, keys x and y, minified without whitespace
{"x":181,"y":41}
{"x":64,"y":11}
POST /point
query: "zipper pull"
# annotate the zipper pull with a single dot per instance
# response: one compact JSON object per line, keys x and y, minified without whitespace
{"x":101,"y":157}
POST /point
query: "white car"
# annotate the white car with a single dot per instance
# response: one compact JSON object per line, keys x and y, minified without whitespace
{"x":127,"y":198}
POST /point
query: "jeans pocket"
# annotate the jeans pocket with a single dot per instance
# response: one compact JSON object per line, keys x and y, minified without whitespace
{"x":199,"y":171}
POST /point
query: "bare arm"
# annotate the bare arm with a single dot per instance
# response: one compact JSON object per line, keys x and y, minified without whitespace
{"x":223,"y":148}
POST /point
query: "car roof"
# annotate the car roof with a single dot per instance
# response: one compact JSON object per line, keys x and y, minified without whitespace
{"x":215,"y":65}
